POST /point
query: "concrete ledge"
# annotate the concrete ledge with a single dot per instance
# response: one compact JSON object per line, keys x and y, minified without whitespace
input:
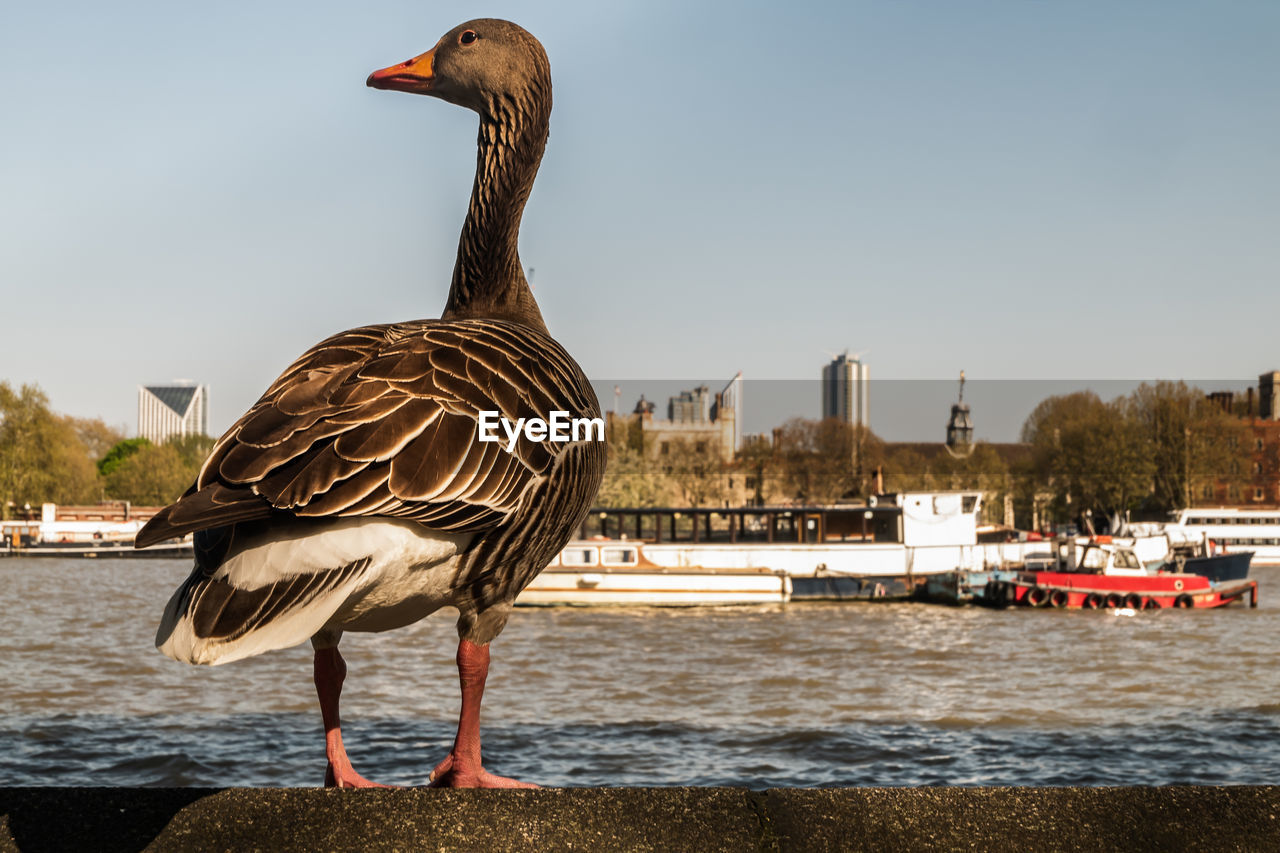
{"x":641,"y":819}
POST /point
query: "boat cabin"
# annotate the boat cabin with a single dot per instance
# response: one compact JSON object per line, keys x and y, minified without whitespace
{"x":1100,"y":558}
{"x":907,"y":518}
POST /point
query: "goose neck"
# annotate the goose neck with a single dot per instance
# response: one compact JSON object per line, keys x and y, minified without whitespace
{"x":488,"y":278}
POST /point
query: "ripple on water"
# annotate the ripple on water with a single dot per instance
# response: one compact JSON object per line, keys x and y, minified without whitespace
{"x":798,"y":695}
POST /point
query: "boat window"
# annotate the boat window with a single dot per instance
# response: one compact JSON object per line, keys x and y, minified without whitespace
{"x":968,"y":502}
{"x":1127,"y":560}
{"x":618,"y":556}
{"x":578,"y":556}
{"x":1094,"y":558}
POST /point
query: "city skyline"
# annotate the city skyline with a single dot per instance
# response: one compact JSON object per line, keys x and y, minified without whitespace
{"x":1034,"y":193}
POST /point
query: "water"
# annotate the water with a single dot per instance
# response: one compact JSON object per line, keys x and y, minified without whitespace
{"x":814,"y":694}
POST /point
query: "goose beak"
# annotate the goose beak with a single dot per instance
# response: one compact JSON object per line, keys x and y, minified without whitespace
{"x":415,"y":75}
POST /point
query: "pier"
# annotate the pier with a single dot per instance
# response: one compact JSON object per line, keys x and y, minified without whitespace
{"x":642,"y":819}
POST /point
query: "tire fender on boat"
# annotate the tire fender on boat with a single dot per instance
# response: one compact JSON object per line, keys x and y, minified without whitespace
{"x":1133,"y":601}
{"x":1113,"y":600}
{"x":1092,"y":601}
{"x":1184,"y":601}
{"x":1058,"y":598}
{"x":1037,"y":596}
{"x":1151,"y":604}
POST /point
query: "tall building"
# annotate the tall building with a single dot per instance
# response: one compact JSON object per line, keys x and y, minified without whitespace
{"x":1269,"y":396}
{"x":168,"y":410}
{"x":846,"y":390}
{"x":690,"y":407}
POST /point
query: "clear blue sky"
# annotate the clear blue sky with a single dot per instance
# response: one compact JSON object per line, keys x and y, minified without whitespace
{"x":1029,"y":190}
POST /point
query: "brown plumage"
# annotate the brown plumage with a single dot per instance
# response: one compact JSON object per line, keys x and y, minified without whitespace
{"x":355,"y":495}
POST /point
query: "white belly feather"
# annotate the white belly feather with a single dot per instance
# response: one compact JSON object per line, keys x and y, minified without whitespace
{"x":360,"y":574}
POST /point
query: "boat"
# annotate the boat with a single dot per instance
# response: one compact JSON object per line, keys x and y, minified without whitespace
{"x":605,"y":573}
{"x":966,"y":586}
{"x":1106,"y":575}
{"x":1235,"y":529}
{"x":99,"y":531}
{"x":1207,"y":558}
{"x":883,"y":550}
{"x":100,"y":550}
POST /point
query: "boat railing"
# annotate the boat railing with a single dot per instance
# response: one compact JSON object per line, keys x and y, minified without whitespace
{"x":801,"y":524}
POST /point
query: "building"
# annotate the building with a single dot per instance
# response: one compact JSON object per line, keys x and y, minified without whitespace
{"x":705,"y":422}
{"x":699,"y":439}
{"x":179,"y":409}
{"x":690,"y":407}
{"x":1269,"y":396}
{"x":1254,"y":482}
{"x":846,"y":390}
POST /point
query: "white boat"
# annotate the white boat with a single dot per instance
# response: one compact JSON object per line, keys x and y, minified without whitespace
{"x":1234,"y":529}
{"x":105,"y":530}
{"x":621,"y":573}
{"x":751,"y":555}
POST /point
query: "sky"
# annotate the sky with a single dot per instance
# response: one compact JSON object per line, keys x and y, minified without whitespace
{"x":1061,"y":192}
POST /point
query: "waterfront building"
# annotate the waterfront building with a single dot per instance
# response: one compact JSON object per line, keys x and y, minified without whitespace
{"x":846,"y":390}
{"x":177,"y":409}
{"x":1254,"y":480}
{"x":702,"y":433}
{"x":708,"y":423}
{"x":690,"y":407}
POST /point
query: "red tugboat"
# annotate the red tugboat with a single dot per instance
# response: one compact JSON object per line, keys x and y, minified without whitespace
{"x":1103,"y":575}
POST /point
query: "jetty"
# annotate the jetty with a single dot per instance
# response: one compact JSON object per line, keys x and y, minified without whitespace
{"x":601,"y":820}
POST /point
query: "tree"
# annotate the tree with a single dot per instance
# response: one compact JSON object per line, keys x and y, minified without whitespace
{"x":96,"y":435}
{"x":193,"y":449}
{"x":696,"y":473}
{"x":906,"y":470}
{"x":144,"y":473}
{"x":42,"y":458}
{"x":1190,"y":440}
{"x":820,"y":462}
{"x":119,"y":452}
{"x":756,"y":463}
{"x":1089,"y":454}
{"x":629,"y":479}
{"x":981,"y":469}
{"x":153,"y":475}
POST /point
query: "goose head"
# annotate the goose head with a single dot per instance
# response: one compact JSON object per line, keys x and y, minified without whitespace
{"x":477,"y":65}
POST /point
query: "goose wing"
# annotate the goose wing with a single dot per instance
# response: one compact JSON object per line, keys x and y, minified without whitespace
{"x":382,"y":421}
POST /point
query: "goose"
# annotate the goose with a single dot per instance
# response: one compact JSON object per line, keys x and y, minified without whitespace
{"x":355,"y":495}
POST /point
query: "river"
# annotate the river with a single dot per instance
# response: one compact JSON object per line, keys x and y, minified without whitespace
{"x":803,"y":694}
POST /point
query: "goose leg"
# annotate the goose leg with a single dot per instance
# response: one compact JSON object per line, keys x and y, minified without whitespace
{"x":461,"y":768}
{"x":330,"y":670}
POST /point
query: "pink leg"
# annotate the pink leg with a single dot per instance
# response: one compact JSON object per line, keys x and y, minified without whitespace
{"x":461,"y":769}
{"x":330,"y":670}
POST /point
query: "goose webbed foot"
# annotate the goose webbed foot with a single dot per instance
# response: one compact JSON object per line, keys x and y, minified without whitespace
{"x":330,"y":671}
{"x":347,"y":777}
{"x":454,"y":772}
{"x":462,"y":768}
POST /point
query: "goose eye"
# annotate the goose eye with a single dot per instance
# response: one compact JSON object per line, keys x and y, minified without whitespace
{"x":468,"y":37}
